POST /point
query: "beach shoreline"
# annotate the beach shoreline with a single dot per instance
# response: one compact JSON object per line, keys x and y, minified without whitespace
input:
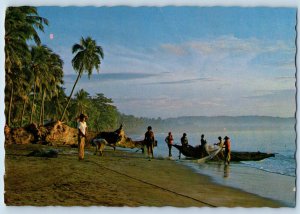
{"x":266,"y":184}
{"x":119,"y":178}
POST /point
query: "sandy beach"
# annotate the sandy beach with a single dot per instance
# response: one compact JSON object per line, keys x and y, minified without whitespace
{"x":119,"y":178}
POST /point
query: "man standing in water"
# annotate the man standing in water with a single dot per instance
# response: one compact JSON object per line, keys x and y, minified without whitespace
{"x":149,"y":139}
{"x":227,"y":150}
{"x":169,"y":140}
{"x":82,"y":131}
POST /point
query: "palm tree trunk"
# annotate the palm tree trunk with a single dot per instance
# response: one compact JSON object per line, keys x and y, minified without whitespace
{"x":42,"y":106}
{"x":23,"y":112}
{"x":57,"y":110}
{"x":43,"y":113}
{"x":10,"y":104}
{"x":69,"y":99}
{"x":32,"y":106}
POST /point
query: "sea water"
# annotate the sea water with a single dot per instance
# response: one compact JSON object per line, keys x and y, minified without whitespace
{"x":273,"y":178}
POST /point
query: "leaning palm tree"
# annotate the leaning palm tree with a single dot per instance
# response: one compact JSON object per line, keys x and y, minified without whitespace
{"x":88,"y":57}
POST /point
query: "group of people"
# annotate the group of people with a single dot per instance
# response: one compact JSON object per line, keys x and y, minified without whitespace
{"x":184,"y":142}
{"x":150,"y":140}
{"x":225,"y":144}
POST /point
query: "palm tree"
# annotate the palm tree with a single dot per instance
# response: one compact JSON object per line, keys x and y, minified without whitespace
{"x":51,"y":80}
{"x":24,"y":88}
{"x":55,"y":105}
{"x":82,"y":101}
{"x":20,"y":25}
{"x":39,"y":67}
{"x":88,"y":57}
{"x":22,"y":22}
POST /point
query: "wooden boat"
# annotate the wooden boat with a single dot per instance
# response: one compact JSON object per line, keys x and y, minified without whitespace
{"x":250,"y":156}
{"x":198,"y":152}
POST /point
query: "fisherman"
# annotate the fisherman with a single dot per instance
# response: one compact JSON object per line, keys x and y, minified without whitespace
{"x":220,"y":143}
{"x":82,"y":132}
{"x":227,"y":150}
{"x":149,"y":139}
{"x":169,"y":140}
{"x":203,"y":146}
{"x":184,"y":140}
{"x":203,"y":141}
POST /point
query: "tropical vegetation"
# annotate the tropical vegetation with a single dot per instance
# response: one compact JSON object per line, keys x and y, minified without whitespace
{"x":34,"y":86}
{"x":34,"y":89}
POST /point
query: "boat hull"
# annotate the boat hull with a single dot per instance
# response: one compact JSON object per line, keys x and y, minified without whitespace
{"x":198,"y":152}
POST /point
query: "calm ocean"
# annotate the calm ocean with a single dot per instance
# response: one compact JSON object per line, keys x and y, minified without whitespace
{"x":273,"y":178}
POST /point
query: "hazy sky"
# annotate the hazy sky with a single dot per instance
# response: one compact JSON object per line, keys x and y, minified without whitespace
{"x":176,"y":61}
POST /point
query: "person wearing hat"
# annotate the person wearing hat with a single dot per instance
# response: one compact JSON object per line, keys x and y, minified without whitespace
{"x":82,"y":131}
{"x":227,"y":150}
{"x":169,"y":140}
{"x":149,"y":139}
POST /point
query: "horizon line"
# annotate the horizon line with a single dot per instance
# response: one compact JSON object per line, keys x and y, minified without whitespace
{"x":278,"y":117}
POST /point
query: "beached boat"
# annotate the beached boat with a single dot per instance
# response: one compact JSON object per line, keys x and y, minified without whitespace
{"x":198,"y":152}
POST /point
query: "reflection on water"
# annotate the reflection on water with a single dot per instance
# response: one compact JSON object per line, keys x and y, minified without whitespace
{"x":226,"y":171}
{"x":270,"y":185}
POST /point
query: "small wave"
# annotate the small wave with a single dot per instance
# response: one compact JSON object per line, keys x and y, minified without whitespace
{"x":271,"y":169}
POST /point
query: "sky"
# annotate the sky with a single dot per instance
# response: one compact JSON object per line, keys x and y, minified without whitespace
{"x":183,"y":61}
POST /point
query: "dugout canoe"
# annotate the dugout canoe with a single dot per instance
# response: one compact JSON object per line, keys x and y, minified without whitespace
{"x":198,"y":152}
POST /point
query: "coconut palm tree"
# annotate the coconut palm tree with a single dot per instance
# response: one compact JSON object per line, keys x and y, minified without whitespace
{"x":21,"y":25}
{"x":50,"y":80}
{"x":23,"y":90}
{"x":88,"y":57}
{"x":82,"y":101}
{"x":56,"y":68}
{"x":55,"y":106}
{"x":39,"y":67}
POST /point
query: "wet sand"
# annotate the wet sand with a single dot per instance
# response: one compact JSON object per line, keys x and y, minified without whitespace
{"x":239,"y":175}
{"x":117,"y":179}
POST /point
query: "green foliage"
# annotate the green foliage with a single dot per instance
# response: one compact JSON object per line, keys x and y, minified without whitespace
{"x":106,"y":117}
{"x":102,"y":114}
{"x":34,"y":78}
{"x":21,"y":25}
{"x":88,"y":56}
